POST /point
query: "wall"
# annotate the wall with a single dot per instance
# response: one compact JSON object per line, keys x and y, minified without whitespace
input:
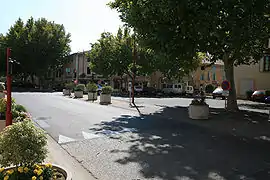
{"x":249,"y":77}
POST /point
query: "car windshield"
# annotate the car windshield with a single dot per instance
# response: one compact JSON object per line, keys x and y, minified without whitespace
{"x":258,"y":93}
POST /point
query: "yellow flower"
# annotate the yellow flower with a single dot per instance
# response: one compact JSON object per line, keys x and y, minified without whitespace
{"x":10,"y":171}
{"x":39,"y":172}
{"x":34,"y":178}
{"x":41,"y":178}
{"x":36,"y":171}
{"x":49,"y":165}
{"x":6,"y":177}
{"x":2,"y":169}
{"x":20,"y":169}
{"x":26,"y":169}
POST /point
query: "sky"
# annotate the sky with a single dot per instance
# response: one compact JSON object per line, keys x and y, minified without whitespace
{"x":84,"y":19}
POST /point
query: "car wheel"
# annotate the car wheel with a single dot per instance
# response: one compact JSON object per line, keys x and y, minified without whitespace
{"x":223,"y":98}
{"x":214,"y":97}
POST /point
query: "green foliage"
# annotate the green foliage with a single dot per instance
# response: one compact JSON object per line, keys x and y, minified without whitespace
{"x":267,"y":92}
{"x":70,"y":85}
{"x":233,"y":31}
{"x":40,"y":46}
{"x":2,"y":87}
{"x":91,"y":87}
{"x":249,"y":94}
{"x":22,"y":144}
{"x":20,"y":108}
{"x":106,"y":90}
{"x":113,"y":55}
{"x":209,"y":88}
{"x":79,"y":87}
{"x":3,"y":104}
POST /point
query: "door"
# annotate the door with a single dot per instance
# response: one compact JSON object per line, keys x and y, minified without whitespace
{"x":245,"y":85}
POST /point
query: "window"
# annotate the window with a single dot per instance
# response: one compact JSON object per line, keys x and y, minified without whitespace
{"x":214,"y":76}
{"x":68,"y":70}
{"x":202,"y":77}
{"x":175,"y":86}
{"x":164,"y":85}
{"x":169,"y":86}
{"x":266,"y":63}
{"x":88,"y":70}
{"x":208,"y":76}
{"x":179,"y":86}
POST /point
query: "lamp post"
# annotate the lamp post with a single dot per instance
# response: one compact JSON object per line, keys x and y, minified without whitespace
{"x":9,"y":69}
{"x":8,"y":80}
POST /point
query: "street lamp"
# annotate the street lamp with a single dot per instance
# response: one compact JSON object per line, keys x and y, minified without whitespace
{"x":9,"y":68}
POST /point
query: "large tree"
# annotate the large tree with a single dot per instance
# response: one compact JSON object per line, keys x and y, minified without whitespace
{"x":38,"y":45}
{"x":232,"y":30}
{"x":114,"y":55}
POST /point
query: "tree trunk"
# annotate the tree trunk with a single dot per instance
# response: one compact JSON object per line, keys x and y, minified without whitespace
{"x":229,"y":72}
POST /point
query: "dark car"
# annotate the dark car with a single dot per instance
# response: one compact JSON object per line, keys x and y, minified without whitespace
{"x":218,"y":93}
{"x":267,"y":100}
{"x":149,"y":91}
{"x":258,"y":95}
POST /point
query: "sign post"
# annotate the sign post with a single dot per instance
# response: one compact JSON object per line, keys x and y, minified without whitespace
{"x":226,"y":86}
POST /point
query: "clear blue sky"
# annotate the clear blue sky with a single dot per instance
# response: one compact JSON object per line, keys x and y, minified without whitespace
{"x":84,"y":19}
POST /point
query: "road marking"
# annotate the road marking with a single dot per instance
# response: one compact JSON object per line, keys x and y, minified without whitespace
{"x":89,"y":135}
{"x":64,"y":139}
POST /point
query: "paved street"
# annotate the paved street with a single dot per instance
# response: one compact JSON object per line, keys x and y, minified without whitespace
{"x":117,"y":143}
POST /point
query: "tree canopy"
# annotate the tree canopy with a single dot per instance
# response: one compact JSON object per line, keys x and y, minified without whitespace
{"x":38,"y":45}
{"x":113,"y":55}
{"x":234,"y":31}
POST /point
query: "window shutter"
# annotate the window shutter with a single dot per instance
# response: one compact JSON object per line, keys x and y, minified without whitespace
{"x":261,"y":64}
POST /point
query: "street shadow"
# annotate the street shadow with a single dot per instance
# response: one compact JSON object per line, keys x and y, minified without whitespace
{"x":168,"y":145}
{"x":255,"y":106}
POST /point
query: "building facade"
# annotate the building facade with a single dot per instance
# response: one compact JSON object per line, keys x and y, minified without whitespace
{"x":252,"y":77}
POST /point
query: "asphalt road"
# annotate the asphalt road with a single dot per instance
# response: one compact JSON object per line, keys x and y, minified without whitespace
{"x":116,"y":143}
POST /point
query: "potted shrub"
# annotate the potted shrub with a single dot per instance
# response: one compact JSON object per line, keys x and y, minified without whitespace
{"x":78,"y":90}
{"x":23,"y":150}
{"x":92,"y":91}
{"x":105,"y":96}
{"x":2,"y":88}
{"x":198,"y":109}
{"x":68,"y":88}
{"x":249,"y":94}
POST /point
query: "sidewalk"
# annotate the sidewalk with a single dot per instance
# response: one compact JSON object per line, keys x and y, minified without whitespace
{"x":57,"y":155}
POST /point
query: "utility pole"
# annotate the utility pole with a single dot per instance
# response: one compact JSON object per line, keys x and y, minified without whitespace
{"x":9,"y":69}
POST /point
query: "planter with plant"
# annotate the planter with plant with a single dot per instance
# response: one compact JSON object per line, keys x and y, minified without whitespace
{"x":78,"y":90}
{"x":2,"y":89}
{"x":19,"y":112}
{"x":68,"y":88}
{"x":92,"y":91}
{"x":198,"y":109}
{"x":23,"y":150}
{"x":105,"y":96}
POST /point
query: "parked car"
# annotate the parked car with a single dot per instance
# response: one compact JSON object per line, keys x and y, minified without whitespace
{"x":149,"y":91}
{"x":173,"y":88}
{"x":218,"y":92}
{"x":258,"y":95}
{"x":189,"y":90}
{"x":267,"y":100}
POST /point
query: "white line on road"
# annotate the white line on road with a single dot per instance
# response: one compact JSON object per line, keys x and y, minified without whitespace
{"x":64,"y":139}
{"x":89,"y":135}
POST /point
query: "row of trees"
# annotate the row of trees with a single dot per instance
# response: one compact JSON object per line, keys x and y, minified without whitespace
{"x":39,"y":46}
{"x":114,"y":55}
{"x":230,"y":30}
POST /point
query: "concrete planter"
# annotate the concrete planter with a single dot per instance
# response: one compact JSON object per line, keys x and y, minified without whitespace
{"x":78,"y":94}
{"x":198,"y":111}
{"x":66,"y":92}
{"x":105,"y":98}
{"x":60,"y":169}
{"x":2,"y":95}
{"x":92,"y":96}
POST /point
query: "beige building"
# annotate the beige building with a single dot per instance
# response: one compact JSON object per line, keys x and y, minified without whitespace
{"x":252,"y":77}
